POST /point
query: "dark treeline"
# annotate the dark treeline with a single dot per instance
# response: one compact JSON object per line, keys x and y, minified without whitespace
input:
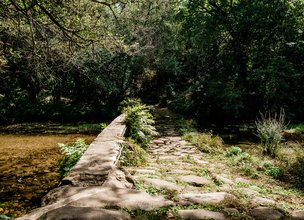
{"x":216,"y":60}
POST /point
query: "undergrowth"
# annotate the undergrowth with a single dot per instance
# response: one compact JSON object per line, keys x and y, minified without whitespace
{"x":139,"y":122}
{"x":71,"y":154}
{"x":205,"y":142}
{"x":132,"y":154}
{"x":270,"y":131}
{"x":140,"y":130}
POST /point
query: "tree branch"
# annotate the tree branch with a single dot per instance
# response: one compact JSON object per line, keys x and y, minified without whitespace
{"x":108,"y":5}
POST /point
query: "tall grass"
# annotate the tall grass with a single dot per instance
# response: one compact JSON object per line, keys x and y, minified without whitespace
{"x":270,"y":131}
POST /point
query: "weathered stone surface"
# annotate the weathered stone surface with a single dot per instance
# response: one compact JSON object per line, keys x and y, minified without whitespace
{"x":242,"y":180}
{"x":249,"y":192}
{"x":195,"y":180}
{"x":264,"y":213}
{"x":62,"y":192}
{"x":224,"y":180}
{"x":201,"y":214}
{"x":201,"y":162}
{"x":230,"y":211}
{"x":297,"y":215}
{"x":161,"y":184}
{"x":261,"y":201}
{"x":147,"y":171}
{"x":101,"y":197}
{"x":85,"y":213}
{"x":168,"y":157}
{"x":100,"y":158}
{"x":205,"y":198}
{"x":158,"y":142}
{"x":178,"y":171}
{"x":124,"y":198}
{"x":118,"y":179}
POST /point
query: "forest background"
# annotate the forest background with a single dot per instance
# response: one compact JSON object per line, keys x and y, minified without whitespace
{"x":218,"y":61}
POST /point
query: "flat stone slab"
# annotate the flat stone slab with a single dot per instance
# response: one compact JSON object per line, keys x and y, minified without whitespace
{"x":231,"y":211}
{"x":145,"y":171}
{"x":101,"y":197}
{"x":201,"y":214}
{"x":123,"y":198}
{"x":260,"y":201}
{"x":195,"y":180}
{"x":264,"y":213}
{"x":201,"y":162}
{"x":242,"y":180}
{"x":249,"y":192}
{"x":205,"y":198}
{"x":162,"y":184}
{"x":224,"y":180}
{"x":100,"y":157}
{"x":180,"y":172}
{"x":158,"y":142}
{"x":71,"y":212}
{"x":168,"y":157}
{"x":297,"y":215}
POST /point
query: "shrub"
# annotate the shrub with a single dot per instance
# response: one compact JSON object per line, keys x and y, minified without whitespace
{"x":297,"y":171}
{"x":270,"y":131}
{"x":132,"y":154}
{"x":233,"y":151}
{"x":205,"y":142}
{"x":139,"y":123}
{"x":71,"y":155}
{"x":271,"y":170}
{"x":185,"y":125}
{"x":129,"y":103}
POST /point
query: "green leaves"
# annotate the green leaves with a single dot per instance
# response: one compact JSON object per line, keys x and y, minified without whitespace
{"x":71,"y":154}
{"x":139,"y":123}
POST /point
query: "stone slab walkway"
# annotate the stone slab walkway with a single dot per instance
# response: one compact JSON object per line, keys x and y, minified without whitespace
{"x":199,"y":188}
{"x":178,"y":179}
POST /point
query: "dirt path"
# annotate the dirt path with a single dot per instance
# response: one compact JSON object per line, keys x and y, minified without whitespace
{"x":205,"y":186}
{"x":28,"y":169}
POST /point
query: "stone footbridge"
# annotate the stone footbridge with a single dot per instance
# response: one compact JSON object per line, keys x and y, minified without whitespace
{"x":177,"y":178}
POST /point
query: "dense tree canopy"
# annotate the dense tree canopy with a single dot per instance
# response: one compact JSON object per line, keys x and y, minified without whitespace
{"x":214,"y":59}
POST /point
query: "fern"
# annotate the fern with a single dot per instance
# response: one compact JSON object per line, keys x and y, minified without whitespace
{"x":139,"y":123}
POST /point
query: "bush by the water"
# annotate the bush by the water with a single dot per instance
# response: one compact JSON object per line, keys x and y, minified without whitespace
{"x":71,"y":154}
{"x":205,"y":142}
{"x":139,"y":123}
{"x":270,"y":131}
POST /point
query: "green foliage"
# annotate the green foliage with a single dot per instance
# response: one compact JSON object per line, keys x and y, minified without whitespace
{"x":205,"y":142}
{"x":233,"y":151}
{"x":297,"y":127}
{"x":271,"y":170}
{"x":185,"y":125}
{"x":181,"y":104}
{"x":240,"y":57}
{"x":242,"y":161}
{"x":160,"y":213}
{"x":6,"y":217}
{"x":71,"y":154}
{"x":139,"y":123}
{"x":103,"y":125}
{"x":132,"y":154}
{"x":129,"y":103}
{"x":296,"y":170}
{"x":270,"y":131}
